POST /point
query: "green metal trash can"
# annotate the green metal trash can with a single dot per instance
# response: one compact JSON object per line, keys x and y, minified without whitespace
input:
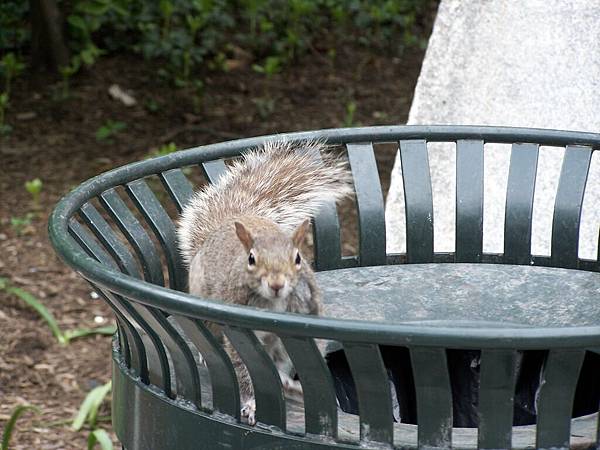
{"x":393,"y":374}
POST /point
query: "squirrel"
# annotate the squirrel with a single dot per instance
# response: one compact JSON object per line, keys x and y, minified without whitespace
{"x":242,"y":236}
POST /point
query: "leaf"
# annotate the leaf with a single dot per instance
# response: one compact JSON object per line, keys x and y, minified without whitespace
{"x":101,"y":437}
{"x":88,"y":411}
{"x":34,"y":186}
{"x":258,"y":68}
{"x":103,"y":133}
{"x":119,"y":126}
{"x":10,"y":425}
{"x":77,"y":22}
{"x":93,"y":8}
{"x":109,"y":129}
{"x":82,"y":332}
{"x":41,"y":310}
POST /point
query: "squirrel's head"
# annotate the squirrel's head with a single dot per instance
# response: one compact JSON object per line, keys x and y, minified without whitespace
{"x":274,"y":261}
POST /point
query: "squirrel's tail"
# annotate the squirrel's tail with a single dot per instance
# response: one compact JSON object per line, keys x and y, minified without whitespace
{"x":281,"y":181}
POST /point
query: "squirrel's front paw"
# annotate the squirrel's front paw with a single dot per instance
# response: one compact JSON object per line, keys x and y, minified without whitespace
{"x":249,"y":411}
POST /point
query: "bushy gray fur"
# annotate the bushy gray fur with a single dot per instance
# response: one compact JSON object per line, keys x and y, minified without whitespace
{"x":280,"y":181}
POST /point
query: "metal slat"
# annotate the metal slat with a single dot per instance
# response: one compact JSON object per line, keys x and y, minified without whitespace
{"x":317,"y":385}
{"x":132,"y":345}
{"x":163,"y":228}
{"x":268,"y":392}
{"x":102,"y":230}
{"x":225,"y":391}
{"x":328,"y":250}
{"x":124,"y":348}
{"x":369,"y":202}
{"x":150,"y":368}
{"x":142,"y":349}
{"x":135,"y":233}
{"x":187,"y":379}
{"x":213,"y":170}
{"x":496,"y":398}
{"x":567,"y":206}
{"x":153,"y":326}
{"x":519,"y":203}
{"x":469,"y":201}
{"x":178,"y":186}
{"x":418,"y":200}
{"x":373,"y":391}
{"x":555,"y":398}
{"x":130,"y":354}
{"x":434,"y":397}
{"x":326,"y":231}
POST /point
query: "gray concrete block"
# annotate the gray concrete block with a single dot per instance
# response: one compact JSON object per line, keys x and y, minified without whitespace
{"x":533,"y":63}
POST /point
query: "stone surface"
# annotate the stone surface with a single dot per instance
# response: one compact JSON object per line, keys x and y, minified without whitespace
{"x":463,"y":294}
{"x":513,"y":63}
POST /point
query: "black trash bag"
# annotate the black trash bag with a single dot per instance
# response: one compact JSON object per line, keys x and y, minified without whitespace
{"x":464,"y":370}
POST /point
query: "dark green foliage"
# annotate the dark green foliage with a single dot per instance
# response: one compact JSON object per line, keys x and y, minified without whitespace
{"x":189,"y":34}
{"x":10,"y":68}
{"x":14,"y":27}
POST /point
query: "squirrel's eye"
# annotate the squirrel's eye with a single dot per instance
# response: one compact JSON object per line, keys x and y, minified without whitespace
{"x":251,"y":259}
{"x":298,"y":259}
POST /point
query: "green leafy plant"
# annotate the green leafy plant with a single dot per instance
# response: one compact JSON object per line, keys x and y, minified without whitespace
{"x":86,"y":57}
{"x":63,"y":337}
{"x":165,"y":149}
{"x":88,"y":411}
{"x":152,"y":105}
{"x":66,"y":73}
{"x":10,"y":68}
{"x":101,"y":437}
{"x":10,"y":425}
{"x":14,"y":30}
{"x":20,"y":223}
{"x":184,"y":35}
{"x":271,"y":66}
{"x":167,"y":9}
{"x":88,"y":17}
{"x":266,"y":104}
{"x":350,"y":111}
{"x":110,"y":128}
{"x":88,"y":415}
{"x":34,"y":187}
{"x":198,"y":98}
{"x":4,"y":102}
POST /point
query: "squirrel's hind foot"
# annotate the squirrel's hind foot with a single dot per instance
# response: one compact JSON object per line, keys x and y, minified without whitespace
{"x":248,"y":411}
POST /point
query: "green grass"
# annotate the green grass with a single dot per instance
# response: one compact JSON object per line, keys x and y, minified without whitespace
{"x":88,"y":411}
{"x":10,"y":425}
{"x":63,"y":337}
{"x":109,"y":129}
{"x":101,"y":437}
{"x":88,"y":415}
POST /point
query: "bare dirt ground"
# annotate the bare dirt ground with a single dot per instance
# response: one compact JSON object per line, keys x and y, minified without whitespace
{"x":55,"y":141}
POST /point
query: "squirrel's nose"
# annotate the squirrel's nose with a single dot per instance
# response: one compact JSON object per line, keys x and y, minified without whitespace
{"x":276,"y":287}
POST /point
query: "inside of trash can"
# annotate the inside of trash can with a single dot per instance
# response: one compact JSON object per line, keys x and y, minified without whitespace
{"x":464,"y":367}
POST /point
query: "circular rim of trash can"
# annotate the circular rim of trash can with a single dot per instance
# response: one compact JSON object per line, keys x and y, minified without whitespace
{"x":181,"y":303}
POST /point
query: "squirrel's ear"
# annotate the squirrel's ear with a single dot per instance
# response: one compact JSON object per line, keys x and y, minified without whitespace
{"x":244,"y":236}
{"x":300,"y":233}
